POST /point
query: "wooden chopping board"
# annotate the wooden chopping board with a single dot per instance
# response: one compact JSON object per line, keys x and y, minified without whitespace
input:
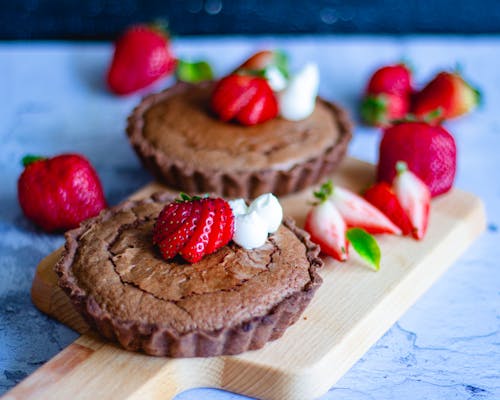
{"x":349,"y":312}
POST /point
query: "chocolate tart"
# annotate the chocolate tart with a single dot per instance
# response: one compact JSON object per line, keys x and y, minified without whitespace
{"x":185,"y":146}
{"x":231,"y":301}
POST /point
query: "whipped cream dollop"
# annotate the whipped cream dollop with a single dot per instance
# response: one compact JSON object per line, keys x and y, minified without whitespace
{"x":298,"y":99}
{"x":277,"y":81}
{"x":253,"y":223}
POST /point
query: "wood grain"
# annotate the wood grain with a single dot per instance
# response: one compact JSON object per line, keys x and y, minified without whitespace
{"x":350,"y":311}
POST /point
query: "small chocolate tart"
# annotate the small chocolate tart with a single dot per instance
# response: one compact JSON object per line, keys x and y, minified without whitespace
{"x":179,"y":139}
{"x":231,"y":301}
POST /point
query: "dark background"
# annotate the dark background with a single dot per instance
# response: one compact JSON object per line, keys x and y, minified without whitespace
{"x":103,"y":19}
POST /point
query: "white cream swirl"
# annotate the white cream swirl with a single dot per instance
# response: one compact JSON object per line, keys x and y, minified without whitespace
{"x":253,"y":223}
{"x":298,"y":99}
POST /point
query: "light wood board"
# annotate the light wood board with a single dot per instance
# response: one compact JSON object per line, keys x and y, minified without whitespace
{"x":350,"y":311}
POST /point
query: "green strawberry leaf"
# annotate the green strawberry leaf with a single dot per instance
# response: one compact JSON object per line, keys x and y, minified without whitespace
{"x":281,"y":62}
{"x":325,"y":191}
{"x":193,"y":72}
{"x":30,"y":158}
{"x":366,"y":246}
{"x":374,"y":109}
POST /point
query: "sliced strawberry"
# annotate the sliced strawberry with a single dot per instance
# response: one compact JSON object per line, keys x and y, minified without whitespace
{"x":383,"y":197}
{"x":193,"y":227}
{"x":194,"y":250}
{"x":231,"y":94}
{"x":226,"y":223}
{"x":172,"y":244}
{"x":246,"y":98}
{"x":414,"y":196}
{"x":258,"y":61}
{"x":171,"y":218}
{"x":328,"y":229}
{"x":357,"y":212}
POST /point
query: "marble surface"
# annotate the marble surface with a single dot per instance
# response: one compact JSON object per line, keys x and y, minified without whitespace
{"x":447,"y":346}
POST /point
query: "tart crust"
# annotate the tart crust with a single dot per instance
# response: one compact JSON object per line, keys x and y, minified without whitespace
{"x":242,"y":180}
{"x":164,"y":338}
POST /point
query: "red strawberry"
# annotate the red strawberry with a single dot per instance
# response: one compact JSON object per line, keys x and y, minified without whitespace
{"x":387,"y":95}
{"x":328,"y":229}
{"x":429,"y":151}
{"x":414,"y":196}
{"x":193,"y":227}
{"x":264,"y":59}
{"x":391,"y":79}
{"x":380,"y":109}
{"x":245,"y":98}
{"x":60,"y":192}
{"x":357,"y":212}
{"x":384,"y":198}
{"x":448,"y":92}
{"x":142,"y":56}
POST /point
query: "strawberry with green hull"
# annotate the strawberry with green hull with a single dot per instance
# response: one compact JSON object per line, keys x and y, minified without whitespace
{"x":264,"y":59}
{"x":142,"y":56}
{"x":447,"y":92}
{"x":382,"y":196}
{"x":429,"y":151}
{"x":387,"y":95}
{"x":193,"y":227}
{"x":329,"y":229}
{"x":60,"y":192}
{"x":245,"y":98}
{"x":415,"y":197}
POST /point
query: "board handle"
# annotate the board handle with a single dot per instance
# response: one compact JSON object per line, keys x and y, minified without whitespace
{"x":89,"y":367}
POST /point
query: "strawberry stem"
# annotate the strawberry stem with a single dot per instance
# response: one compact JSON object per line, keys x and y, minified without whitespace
{"x":432,"y":115}
{"x":401,"y":167}
{"x":29,"y":159}
{"x":324,"y":192}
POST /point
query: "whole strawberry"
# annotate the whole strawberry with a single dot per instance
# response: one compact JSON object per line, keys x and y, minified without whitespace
{"x":245,"y":98}
{"x":193,"y":227}
{"x":449,"y":93}
{"x":429,"y":151}
{"x":387,"y":95}
{"x":142,"y":56}
{"x":60,"y":192}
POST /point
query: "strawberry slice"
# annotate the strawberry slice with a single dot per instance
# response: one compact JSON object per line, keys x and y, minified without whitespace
{"x":328,"y":229}
{"x":383,"y":197}
{"x":171,"y":218}
{"x":414,"y":196}
{"x":170,"y":245}
{"x":231,"y":94}
{"x":357,"y":212}
{"x":246,"y":98}
{"x":196,"y":247}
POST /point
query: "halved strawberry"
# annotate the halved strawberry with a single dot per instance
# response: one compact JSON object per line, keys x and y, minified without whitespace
{"x":328,"y":229}
{"x":414,"y":196}
{"x":193,"y":234}
{"x":384,"y":198}
{"x":246,"y":98}
{"x":357,"y":212}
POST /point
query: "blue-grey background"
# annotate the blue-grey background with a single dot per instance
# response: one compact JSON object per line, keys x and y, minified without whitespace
{"x":103,"y":19}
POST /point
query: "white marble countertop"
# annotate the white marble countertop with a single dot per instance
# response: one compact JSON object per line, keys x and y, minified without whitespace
{"x":53,"y":100}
